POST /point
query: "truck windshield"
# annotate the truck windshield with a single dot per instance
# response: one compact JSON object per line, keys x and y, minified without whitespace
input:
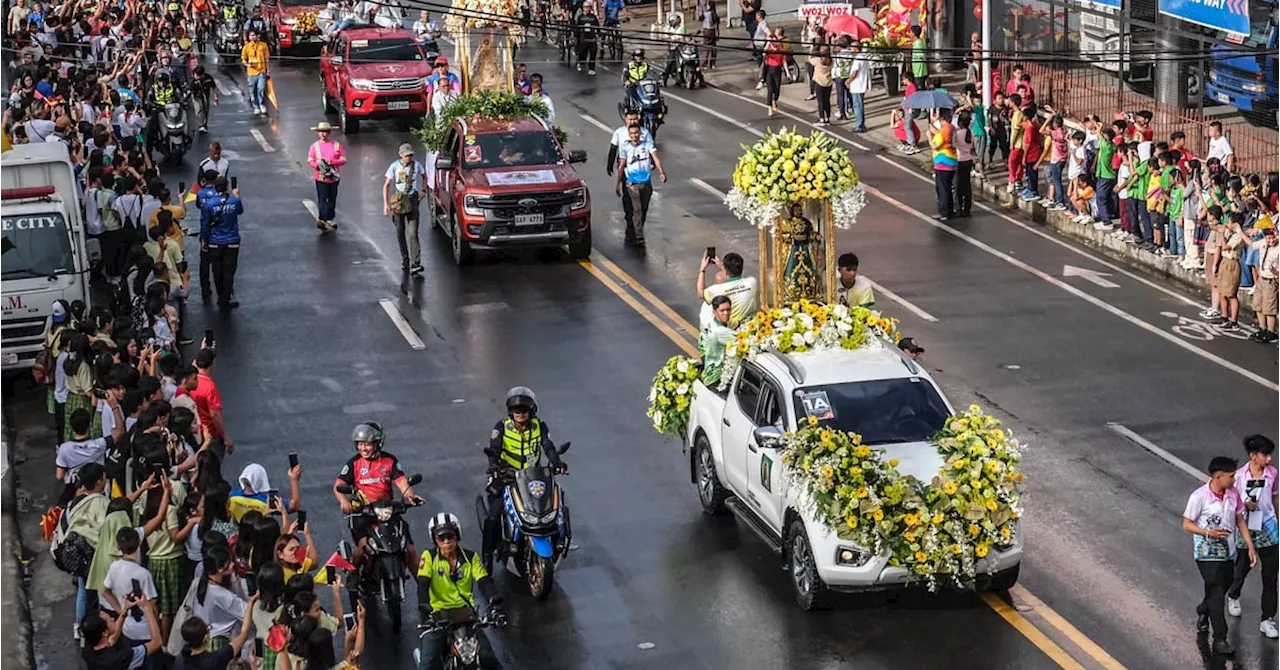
{"x":512,"y":150}
{"x":885,"y":411}
{"x":383,"y":51}
{"x":1262,"y":26}
{"x":35,"y":246}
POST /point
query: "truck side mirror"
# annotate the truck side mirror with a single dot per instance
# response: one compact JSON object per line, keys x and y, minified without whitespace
{"x":768,"y":437}
{"x":577,"y":156}
{"x":444,"y":163}
{"x":335,"y":60}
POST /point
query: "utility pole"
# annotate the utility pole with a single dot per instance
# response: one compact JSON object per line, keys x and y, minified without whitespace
{"x":987,"y":93}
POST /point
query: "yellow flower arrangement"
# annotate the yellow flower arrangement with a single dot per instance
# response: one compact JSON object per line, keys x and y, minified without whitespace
{"x":671,"y":396}
{"x":305,"y":23}
{"x":787,"y":167}
{"x":933,"y":530}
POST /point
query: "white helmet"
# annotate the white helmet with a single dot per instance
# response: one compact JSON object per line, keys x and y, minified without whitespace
{"x":442,"y":523}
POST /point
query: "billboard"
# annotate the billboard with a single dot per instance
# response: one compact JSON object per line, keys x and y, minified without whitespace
{"x":823,"y":8}
{"x":1231,"y":16}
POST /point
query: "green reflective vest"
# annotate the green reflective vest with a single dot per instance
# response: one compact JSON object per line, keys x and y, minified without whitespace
{"x":163,"y":95}
{"x":451,"y":589}
{"x":521,"y":449}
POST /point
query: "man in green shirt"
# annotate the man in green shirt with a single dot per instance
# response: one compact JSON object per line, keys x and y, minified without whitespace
{"x":1106,"y":175}
{"x":448,"y":579}
{"x":1177,"y":192}
{"x":1139,"y":215}
{"x":919,"y":66}
{"x":716,"y":335}
{"x":978,"y":126}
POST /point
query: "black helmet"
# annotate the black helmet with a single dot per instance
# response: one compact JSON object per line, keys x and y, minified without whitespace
{"x":162,"y":77}
{"x":442,"y":524}
{"x":637,"y":53}
{"x":369,"y":431}
{"x":521,"y":397}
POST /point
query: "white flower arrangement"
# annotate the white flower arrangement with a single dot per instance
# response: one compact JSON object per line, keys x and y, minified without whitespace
{"x":787,"y":167}
{"x":671,"y":396}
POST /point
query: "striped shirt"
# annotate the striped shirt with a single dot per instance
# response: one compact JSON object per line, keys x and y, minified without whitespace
{"x":944,"y":148}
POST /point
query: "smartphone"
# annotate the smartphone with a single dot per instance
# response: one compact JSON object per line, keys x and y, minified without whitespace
{"x":273,"y":498}
{"x":349,"y":620}
{"x":302,"y":520}
{"x":259,"y":649}
{"x":330,"y":574}
{"x":182,"y":190}
{"x":711,"y":253}
{"x":251,"y":583}
{"x":161,"y":471}
{"x":293,"y":461}
{"x":208,"y":338}
{"x":233,"y":183}
{"x":137,"y":588}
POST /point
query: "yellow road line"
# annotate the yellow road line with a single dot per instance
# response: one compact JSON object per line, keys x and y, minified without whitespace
{"x":1063,"y":626}
{"x":682,"y":342}
{"x":1009,"y":614}
{"x":1029,"y":631}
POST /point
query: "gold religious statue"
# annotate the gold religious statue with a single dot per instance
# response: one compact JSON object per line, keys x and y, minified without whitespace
{"x":487,"y":67}
{"x":801,"y":244}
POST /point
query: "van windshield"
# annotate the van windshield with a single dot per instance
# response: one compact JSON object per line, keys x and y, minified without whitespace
{"x":35,"y":246}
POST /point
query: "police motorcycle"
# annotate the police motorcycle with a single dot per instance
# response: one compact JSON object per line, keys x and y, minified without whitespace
{"x":229,"y":42}
{"x":648,"y":102}
{"x":535,"y":524}
{"x":175,"y":135}
{"x":463,"y":646}
{"x":384,"y":573}
{"x":687,"y":69}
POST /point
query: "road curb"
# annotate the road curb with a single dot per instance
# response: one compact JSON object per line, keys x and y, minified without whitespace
{"x":17,"y":632}
{"x":1060,"y":222}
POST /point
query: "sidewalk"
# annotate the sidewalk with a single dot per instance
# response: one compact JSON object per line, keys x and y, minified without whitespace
{"x":741,"y":77}
{"x":15,"y":635}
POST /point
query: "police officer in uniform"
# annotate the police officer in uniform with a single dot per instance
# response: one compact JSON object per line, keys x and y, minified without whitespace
{"x":448,"y":579}
{"x":516,"y":442}
{"x":162,"y":93}
{"x":636,"y":71}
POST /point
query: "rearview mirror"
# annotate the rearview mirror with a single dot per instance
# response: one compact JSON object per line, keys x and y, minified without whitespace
{"x":563,"y":448}
{"x":444,"y":163}
{"x":577,"y":156}
{"x":414,"y":480}
{"x":768,"y":437}
{"x":344,"y":489}
{"x":336,"y":60}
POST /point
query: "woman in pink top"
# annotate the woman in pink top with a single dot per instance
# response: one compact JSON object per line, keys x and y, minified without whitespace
{"x":326,"y":157}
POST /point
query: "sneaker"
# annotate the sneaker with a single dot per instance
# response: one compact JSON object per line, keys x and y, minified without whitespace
{"x":202,"y":129}
{"x":1268,"y":628}
{"x":1272,"y":337}
{"x":75,"y":630}
{"x":1231,"y":325}
{"x":591,"y":72}
{"x":1210,"y":313}
{"x":1233,"y":604}
{"x":416,"y":270}
{"x":1223,"y":648}
{"x":1028,"y":196}
{"x":417,"y":658}
{"x":759,"y":85}
{"x":1104,"y":226}
{"x":1202,"y":623}
{"x":579,"y":67}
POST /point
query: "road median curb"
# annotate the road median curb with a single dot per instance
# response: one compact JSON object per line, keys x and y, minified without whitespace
{"x":17,"y":635}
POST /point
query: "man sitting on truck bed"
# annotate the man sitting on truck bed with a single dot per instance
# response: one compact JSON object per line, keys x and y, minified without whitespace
{"x":716,"y":335}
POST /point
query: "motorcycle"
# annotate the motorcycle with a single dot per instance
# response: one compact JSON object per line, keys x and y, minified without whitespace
{"x":462,"y":652}
{"x":385,"y":571}
{"x":176,"y":138}
{"x":228,"y":41}
{"x":688,"y":70}
{"x":535,"y":527}
{"x":648,"y":101}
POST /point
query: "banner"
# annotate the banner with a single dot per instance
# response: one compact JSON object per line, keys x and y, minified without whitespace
{"x":1231,"y":16}
{"x":809,"y":8}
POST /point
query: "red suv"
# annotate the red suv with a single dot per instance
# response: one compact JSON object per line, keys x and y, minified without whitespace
{"x":374,"y":73}
{"x":508,"y":183}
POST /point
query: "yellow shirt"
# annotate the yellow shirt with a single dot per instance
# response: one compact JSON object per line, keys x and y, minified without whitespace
{"x":171,"y":258}
{"x":176,"y":233}
{"x":254,"y":55}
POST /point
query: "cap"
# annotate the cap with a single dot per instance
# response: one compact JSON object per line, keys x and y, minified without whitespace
{"x":323,"y":125}
{"x":406,"y":149}
{"x":910,"y":344}
{"x":441,"y":60}
{"x":59,"y":311}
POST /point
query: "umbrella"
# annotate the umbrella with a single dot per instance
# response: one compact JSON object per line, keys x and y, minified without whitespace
{"x":271,"y":93}
{"x":848,"y":24}
{"x":930,"y":99}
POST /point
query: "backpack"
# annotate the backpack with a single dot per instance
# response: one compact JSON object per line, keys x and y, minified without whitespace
{"x":71,"y":552}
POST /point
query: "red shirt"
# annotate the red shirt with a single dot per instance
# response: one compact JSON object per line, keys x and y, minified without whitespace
{"x":1032,"y":143}
{"x":207,"y":400}
{"x":774,"y":56}
{"x":372,"y":477}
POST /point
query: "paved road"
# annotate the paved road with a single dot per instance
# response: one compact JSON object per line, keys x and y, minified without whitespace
{"x":312,"y":351}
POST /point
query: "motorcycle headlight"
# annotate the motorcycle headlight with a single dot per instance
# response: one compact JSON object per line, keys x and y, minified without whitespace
{"x":468,"y":649}
{"x":1213,"y":76}
{"x":362,"y":84}
{"x":382,"y":514}
{"x":471,"y":206}
{"x":579,"y":196}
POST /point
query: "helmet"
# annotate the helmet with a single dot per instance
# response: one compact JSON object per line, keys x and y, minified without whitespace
{"x":521,"y":397}
{"x":369,"y":431}
{"x":442,"y":523}
{"x":637,"y":53}
{"x":162,"y":77}
{"x":673,"y":20}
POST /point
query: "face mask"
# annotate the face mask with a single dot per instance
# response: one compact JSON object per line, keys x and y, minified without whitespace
{"x":937,"y":124}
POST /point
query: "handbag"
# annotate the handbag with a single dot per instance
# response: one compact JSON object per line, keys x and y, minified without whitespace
{"x":403,"y":202}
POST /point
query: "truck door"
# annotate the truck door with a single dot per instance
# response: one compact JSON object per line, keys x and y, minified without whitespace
{"x":764,"y":465}
{"x":444,"y":179}
{"x":737,"y":423}
{"x":332,"y":64}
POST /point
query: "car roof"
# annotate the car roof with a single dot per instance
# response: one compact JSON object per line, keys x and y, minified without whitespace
{"x":376,"y":33}
{"x":838,"y":366}
{"x":491,"y":126}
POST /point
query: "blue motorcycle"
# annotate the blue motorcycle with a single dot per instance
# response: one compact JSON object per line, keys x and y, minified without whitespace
{"x":535,"y":523}
{"x":646,"y":99}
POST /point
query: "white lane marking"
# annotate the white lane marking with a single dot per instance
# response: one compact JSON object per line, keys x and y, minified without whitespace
{"x":262,"y":140}
{"x":1092,"y":276}
{"x":1158,"y":451}
{"x":312,"y":207}
{"x":1095,"y":301}
{"x":596,"y":122}
{"x":708,"y":188}
{"x":402,"y":325}
{"x":222,"y":88}
{"x":916,"y":174}
{"x":904,"y":302}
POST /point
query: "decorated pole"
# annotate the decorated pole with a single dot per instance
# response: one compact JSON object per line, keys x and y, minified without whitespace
{"x":829,"y":253}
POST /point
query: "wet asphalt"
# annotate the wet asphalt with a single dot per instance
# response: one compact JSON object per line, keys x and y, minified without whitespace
{"x":653,"y":583}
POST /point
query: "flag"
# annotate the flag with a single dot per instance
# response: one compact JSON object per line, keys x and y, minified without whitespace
{"x":271,"y":94}
{"x":338,"y":563}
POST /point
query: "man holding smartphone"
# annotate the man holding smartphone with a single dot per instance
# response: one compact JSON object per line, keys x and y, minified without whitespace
{"x":105,"y":648}
{"x":220,"y":238}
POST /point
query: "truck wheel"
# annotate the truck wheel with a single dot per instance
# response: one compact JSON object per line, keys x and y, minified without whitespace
{"x":349,"y":125}
{"x":324,"y":98}
{"x":433,"y":213}
{"x":581,"y":250}
{"x":811,"y":591}
{"x":1002,"y":581}
{"x":463,"y":254}
{"x":710,"y":493}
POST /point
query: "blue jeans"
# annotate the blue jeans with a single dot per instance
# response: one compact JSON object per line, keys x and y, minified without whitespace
{"x":1032,"y":177}
{"x":859,"y":112}
{"x":1102,"y":198}
{"x":257,"y":90}
{"x":82,"y":599}
{"x":1055,"y":178}
{"x":326,"y":199}
{"x":1178,"y":238}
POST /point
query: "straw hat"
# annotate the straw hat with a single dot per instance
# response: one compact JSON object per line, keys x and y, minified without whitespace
{"x":323,"y":125}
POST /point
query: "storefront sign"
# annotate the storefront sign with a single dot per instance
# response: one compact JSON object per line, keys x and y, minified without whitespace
{"x":1230,"y":16}
{"x":810,"y":9}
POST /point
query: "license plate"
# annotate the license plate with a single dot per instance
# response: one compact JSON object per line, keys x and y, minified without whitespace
{"x":403,"y":104}
{"x":1223,"y":98}
{"x":8,"y":359}
{"x":529,"y":219}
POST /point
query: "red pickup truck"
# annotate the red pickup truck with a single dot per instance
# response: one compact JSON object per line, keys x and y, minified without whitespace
{"x":502,"y":183}
{"x":374,"y":73}
{"x":284,"y":16}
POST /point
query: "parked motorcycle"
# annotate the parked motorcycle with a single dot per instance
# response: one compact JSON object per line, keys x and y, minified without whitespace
{"x":385,"y":572}
{"x":648,"y":102}
{"x":535,"y":528}
{"x":462,"y":652}
{"x":176,"y":136}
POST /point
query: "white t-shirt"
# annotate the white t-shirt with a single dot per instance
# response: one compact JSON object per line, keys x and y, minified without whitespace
{"x":73,"y":455}
{"x":1075,"y":167}
{"x":1220,"y":148}
{"x":119,"y":579}
{"x":551,"y":106}
{"x":60,"y":391}
{"x":220,"y":166}
{"x":1121,"y":175}
{"x":195,"y":546}
{"x":108,"y":418}
{"x":222,"y":609}
{"x":620,"y":136}
{"x":93,"y":199}
{"x":1261,"y":491}
{"x":860,"y":79}
{"x":1210,"y":511}
{"x":406,"y":178}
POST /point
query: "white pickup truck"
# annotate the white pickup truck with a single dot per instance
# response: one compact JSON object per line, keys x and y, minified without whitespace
{"x":736,"y":463}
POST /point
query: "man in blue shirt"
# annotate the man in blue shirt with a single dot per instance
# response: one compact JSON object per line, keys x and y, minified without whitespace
{"x":637,"y":160}
{"x":220,"y":238}
{"x":204,"y":191}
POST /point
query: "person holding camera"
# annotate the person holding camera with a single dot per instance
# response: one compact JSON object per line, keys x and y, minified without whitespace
{"x":105,"y":648}
{"x":404,"y":179}
{"x":326,"y":158}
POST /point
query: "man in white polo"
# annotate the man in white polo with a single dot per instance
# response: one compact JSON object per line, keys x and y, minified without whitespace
{"x":400,"y":201}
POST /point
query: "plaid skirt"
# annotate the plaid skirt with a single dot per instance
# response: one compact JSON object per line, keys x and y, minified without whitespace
{"x":268,"y":657}
{"x":216,"y":643}
{"x":76,"y":401}
{"x":167,"y":574}
{"x":1202,"y":234}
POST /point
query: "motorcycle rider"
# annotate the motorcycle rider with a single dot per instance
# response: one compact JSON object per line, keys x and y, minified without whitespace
{"x":448,"y":579}
{"x":516,"y":442}
{"x":372,"y":472}
{"x":676,"y":35}
{"x":636,"y":71}
{"x":162,"y":93}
